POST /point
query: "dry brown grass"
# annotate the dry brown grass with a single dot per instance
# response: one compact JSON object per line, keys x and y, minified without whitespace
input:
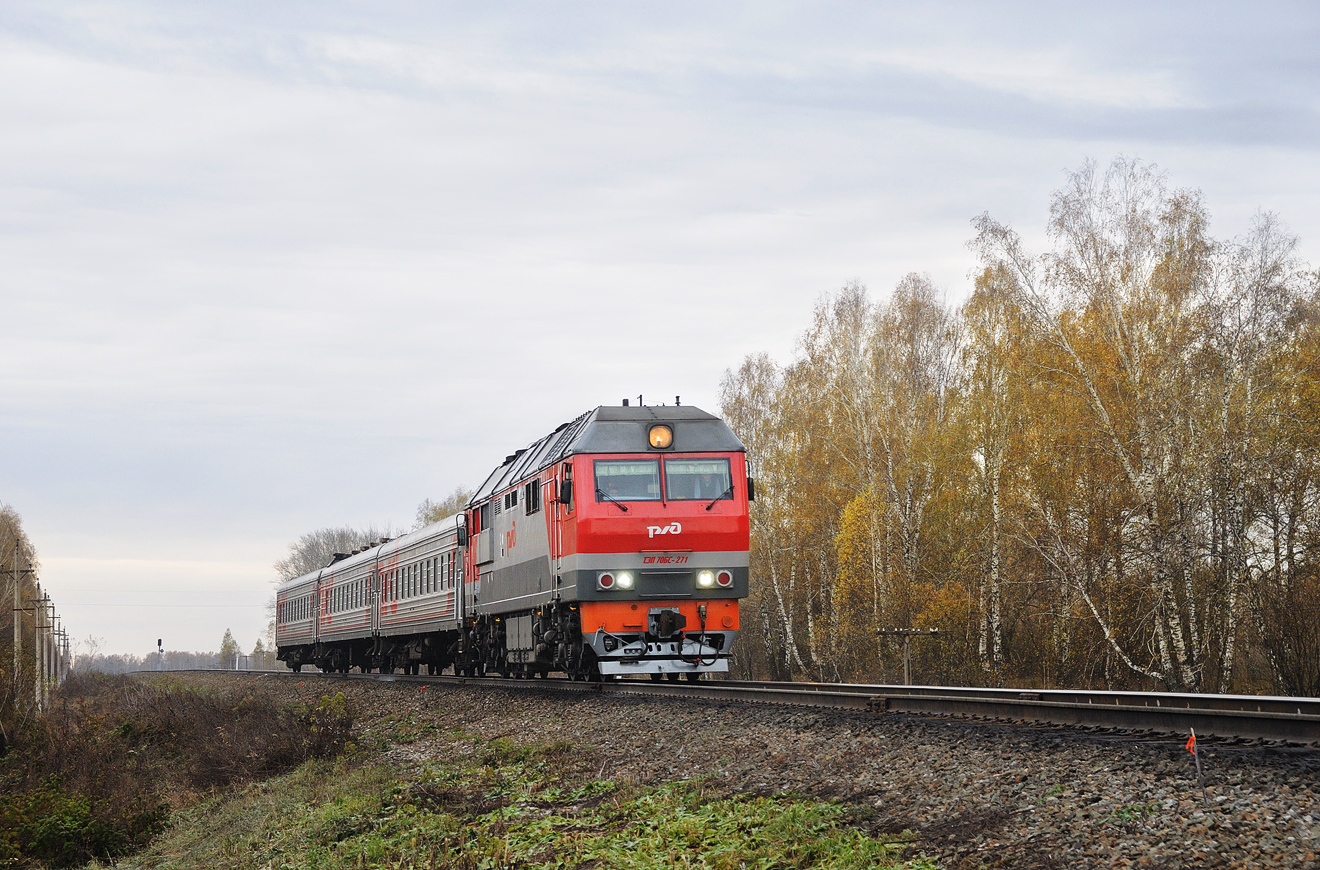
{"x":98,"y":772}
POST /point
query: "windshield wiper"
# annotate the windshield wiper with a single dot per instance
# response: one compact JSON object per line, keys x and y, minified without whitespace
{"x":721,"y":496}
{"x":600,"y":492}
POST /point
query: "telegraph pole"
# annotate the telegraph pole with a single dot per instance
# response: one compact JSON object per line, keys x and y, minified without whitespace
{"x":56,"y":659}
{"x":37,"y":612}
{"x":18,"y":627}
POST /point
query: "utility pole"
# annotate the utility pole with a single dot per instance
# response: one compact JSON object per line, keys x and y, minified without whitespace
{"x":907,"y":634}
{"x":56,"y":658}
{"x":37,"y":613}
{"x":18,"y":623}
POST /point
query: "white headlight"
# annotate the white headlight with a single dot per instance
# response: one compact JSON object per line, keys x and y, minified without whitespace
{"x":624,"y":579}
{"x":706,"y":578}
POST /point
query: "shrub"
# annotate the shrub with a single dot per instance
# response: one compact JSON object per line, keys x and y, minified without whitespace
{"x":88,"y":778}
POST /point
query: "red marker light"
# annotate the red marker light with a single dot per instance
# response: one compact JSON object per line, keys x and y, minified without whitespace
{"x":605,"y":581}
{"x":724,"y":578}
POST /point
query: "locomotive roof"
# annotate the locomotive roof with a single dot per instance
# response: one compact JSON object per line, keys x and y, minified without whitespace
{"x":614,"y":429}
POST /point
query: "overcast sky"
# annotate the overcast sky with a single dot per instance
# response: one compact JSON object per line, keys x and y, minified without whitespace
{"x":267,"y":267}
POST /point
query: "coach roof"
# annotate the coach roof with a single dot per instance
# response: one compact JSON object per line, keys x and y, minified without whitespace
{"x":614,"y":429}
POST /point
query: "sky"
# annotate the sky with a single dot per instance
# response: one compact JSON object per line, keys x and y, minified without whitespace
{"x":269,"y":267}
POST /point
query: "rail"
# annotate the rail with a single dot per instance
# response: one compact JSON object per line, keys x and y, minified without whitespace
{"x":1252,"y":717}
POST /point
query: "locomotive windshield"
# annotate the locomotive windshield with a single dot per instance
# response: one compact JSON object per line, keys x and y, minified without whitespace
{"x":628,"y":479}
{"x":694,"y":479}
{"x":685,"y":479}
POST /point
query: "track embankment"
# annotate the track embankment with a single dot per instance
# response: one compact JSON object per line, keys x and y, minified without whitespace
{"x":975,"y":794}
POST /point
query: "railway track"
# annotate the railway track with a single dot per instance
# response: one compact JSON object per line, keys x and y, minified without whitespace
{"x":1248,"y":717}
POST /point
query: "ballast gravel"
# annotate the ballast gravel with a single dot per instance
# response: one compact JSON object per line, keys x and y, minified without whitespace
{"x":975,"y":794}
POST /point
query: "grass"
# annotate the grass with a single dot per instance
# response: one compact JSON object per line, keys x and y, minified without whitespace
{"x":161,"y":774}
{"x":500,"y":805}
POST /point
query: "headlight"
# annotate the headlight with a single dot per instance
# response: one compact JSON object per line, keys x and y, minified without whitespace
{"x":624,"y":579}
{"x":660,"y":437}
{"x":705,"y":579}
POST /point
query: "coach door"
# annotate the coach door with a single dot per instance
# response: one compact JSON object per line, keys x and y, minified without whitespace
{"x":374,"y":585}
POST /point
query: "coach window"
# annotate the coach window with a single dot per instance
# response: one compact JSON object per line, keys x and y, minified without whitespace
{"x":627,"y":480}
{"x":697,"y":479}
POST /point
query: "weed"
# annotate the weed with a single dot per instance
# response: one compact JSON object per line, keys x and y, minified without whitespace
{"x":503,"y":805}
{"x":1054,"y":791}
{"x":1135,"y":812}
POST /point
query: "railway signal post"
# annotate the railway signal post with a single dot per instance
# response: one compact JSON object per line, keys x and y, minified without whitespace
{"x":907,"y":634}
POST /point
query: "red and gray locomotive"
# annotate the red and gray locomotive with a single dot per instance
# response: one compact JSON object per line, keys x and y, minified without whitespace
{"x":615,"y":545}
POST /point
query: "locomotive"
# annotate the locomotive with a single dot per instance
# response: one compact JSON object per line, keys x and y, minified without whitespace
{"x":616,"y":545}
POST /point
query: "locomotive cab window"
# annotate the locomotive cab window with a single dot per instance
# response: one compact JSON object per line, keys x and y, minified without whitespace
{"x":697,"y":479}
{"x":627,"y":479}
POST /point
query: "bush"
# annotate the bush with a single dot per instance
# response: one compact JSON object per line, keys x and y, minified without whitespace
{"x":88,"y":779}
{"x":65,"y":829}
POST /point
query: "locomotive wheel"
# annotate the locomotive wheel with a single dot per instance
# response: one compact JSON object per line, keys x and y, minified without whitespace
{"x":693,"y":677}
{"x":673,"y":677}
{"x":297,"y":669}
{"x":655,"y":678}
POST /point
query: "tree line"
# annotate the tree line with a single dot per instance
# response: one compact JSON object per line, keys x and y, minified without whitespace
{"x":18,"y":565}
{"x":230,"y":655}
{"x":1101,"y":470}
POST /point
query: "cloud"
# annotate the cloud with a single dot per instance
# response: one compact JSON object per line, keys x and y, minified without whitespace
{"x":276,"y":266}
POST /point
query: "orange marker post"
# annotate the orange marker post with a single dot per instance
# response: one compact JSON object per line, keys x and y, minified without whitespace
{"x":1191,"y":747}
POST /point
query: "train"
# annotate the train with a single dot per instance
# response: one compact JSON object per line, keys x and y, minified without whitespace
{"x":614,"y":546}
